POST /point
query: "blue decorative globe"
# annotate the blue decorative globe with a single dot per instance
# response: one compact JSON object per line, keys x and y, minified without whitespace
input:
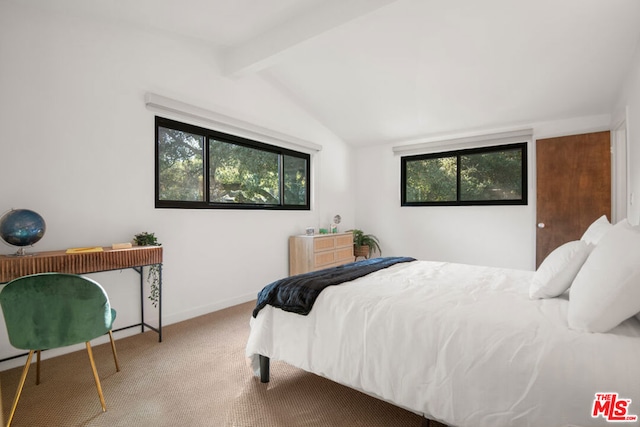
{"x":22,"y":227}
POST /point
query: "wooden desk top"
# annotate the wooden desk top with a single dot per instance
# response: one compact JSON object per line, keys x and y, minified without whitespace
{"x":12,"y":267}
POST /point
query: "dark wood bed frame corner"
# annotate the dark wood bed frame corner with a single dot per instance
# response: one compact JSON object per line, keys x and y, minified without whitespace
{"x":264,"y":368}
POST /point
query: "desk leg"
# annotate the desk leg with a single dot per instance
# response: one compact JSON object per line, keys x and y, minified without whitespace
{"x":159,"y":302}
{"x":141,"y":271}
{"x":142,"y":300}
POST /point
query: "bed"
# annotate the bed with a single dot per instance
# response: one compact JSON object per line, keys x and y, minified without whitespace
{"x":478,"y":346}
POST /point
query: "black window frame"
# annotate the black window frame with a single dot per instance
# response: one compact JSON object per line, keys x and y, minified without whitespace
{"x":522,"y":146}
{"x":233,"y":139}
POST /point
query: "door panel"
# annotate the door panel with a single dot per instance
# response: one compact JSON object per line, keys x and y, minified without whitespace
{"x":573,"y":187}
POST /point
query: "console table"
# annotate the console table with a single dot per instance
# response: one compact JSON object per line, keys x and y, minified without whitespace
{"x":137,"y":257}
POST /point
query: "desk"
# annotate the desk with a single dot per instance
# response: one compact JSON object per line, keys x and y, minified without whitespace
{"x":12,"y":267}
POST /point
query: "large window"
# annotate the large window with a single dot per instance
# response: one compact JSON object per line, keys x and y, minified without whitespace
{"x":201,"y":168}
{"x":483,"y":176}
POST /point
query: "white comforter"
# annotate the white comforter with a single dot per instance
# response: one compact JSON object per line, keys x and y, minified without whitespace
{"x":460,"y":344}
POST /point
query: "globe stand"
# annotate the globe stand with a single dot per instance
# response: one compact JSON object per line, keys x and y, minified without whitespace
{"x":22,"y":252}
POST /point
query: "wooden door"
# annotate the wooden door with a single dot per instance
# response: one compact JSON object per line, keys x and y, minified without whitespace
{"x":573,"y":187}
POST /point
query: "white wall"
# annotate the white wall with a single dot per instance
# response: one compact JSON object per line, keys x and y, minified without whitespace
{"x":501,"y":236}
{"x":628,"y":109}
{"x":77,"y":146}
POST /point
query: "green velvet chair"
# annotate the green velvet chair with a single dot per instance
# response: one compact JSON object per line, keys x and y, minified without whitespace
{"x":52,"y":310}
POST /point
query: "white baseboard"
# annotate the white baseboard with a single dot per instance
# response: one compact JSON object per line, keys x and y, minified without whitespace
{"x":206,"y":309}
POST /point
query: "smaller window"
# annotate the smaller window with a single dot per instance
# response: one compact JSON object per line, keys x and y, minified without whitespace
{"x":481,"y":176}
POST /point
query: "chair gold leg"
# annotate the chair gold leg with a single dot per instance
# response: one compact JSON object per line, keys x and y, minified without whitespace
{"x":113,"y":349}
{"x":23,"y":378}
{"x":95,"y":377}
{"x":38,"y":367}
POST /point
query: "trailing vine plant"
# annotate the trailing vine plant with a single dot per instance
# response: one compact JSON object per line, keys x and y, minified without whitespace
{"x":153,"y":275}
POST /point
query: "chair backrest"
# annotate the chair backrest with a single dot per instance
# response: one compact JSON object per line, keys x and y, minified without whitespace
{"x":53,"y":310}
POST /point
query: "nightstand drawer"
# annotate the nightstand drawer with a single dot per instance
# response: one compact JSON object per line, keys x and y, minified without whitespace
{"x":324,"y":243}
{"x":344,"y":241}
{"x":345,"y":254}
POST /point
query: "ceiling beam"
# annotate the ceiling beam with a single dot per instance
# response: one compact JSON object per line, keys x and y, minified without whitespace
{"x":269,"y":47}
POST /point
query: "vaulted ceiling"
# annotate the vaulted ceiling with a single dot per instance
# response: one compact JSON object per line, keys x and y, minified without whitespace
{"x":377,"y":71}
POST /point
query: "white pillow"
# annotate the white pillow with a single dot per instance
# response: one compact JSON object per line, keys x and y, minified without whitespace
{"x":606,"y":290}
{"x":597,"y":230}
{"x":559,"y":268}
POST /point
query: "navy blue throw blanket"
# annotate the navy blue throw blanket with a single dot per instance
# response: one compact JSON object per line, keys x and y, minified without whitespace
{"x":298,"y":293}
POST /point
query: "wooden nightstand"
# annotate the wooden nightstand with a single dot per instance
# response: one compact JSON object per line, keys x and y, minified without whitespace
{"x":311,"y":253}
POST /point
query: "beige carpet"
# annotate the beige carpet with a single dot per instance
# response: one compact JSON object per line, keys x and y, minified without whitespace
{"x":198,"y":376}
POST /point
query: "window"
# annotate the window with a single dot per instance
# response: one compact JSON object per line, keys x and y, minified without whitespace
{"x":202,"y":168}
{"x":482,"y":176}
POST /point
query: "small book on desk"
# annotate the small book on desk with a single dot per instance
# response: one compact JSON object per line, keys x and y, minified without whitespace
{"x":121,"y":246}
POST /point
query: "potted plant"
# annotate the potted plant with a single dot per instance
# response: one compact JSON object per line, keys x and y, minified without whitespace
{"x":364,"y":245}
{"x":145,"y":239}
{"x":153,"y":276}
